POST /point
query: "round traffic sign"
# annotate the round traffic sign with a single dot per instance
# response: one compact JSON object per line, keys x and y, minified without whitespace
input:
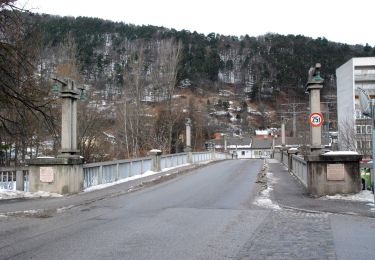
{"x":316,"y":119}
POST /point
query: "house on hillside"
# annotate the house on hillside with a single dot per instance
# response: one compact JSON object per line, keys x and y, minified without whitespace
{"x":245,"y":147}
{"x":261,"y":147}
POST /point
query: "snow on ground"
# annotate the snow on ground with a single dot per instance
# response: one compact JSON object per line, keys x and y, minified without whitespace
{"x":15,"y":194}
{"x":363,"y":196}
{"x":264,"y":199}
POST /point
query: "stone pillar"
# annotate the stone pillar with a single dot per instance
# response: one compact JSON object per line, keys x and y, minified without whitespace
{"x":20,"y":183}
{"x":156,"y":159}
{"x":213,"y":153}
{"x":291,"y":152}
{"x":69,"y":93}
{"x":188,"y":135}
{"x":64,"y":174}
{"x":283,"y":133}
{"x":225,"y":142}
{"x":188,"y":140}
{"x":314,"y":84}
{"x":56,"y":175}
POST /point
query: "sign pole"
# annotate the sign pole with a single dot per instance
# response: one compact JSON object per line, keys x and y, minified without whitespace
{"x":373,"y":145}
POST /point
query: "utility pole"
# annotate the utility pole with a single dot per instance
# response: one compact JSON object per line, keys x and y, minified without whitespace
{"x":293,"y":107}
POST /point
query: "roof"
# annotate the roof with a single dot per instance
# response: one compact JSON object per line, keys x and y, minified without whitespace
{"x":233,"y":141}
{"x":299,"y":141}
{"x":261,"y":143}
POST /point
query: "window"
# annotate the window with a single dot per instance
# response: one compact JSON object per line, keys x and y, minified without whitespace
{"x":243,"y":153}
{"x":369,"y":129}
{"x":359,"y":129}
{"x":359,"y":144}
{"x":363,"y":129}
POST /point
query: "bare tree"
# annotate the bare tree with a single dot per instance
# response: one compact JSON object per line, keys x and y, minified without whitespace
{"x":347,"y":140}
{"x":166,"y":74}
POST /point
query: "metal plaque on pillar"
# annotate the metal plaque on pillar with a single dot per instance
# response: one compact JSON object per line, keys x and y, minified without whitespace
{"x":46,"y":174}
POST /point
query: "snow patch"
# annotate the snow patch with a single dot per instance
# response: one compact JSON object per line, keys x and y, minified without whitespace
{"x":341,"y":153}
{"x":363,"y":196}
{"x":264,"y":199}
{"x":135,"y":177}
{"x":15,"y":194}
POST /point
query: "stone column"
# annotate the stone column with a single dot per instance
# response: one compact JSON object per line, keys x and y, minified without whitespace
{"x":225,"y":142}
{"x":156,"y":159}
{"x":20,"y":184}
{"x":69,"y":93}
{"x":314,"y":84}
{"x":188,"y":135}
{"x":188,"y":140}
{"x":283,"y":133}
{"x":291,"y":152}
{"x":64,"y":174}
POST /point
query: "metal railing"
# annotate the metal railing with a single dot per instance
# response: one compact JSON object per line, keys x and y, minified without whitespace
{"x":107,"y":172}
{"x":202,"y":156}
{"x":173,"y":160}
{"x":299,"y":169}
{"x":8,"y":176}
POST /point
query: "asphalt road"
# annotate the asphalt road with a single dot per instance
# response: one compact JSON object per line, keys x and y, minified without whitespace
{"x":200,"y":215}
{"x":205,"y":214}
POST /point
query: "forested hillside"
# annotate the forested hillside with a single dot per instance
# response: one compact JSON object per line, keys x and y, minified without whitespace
{"x":143,"y":81}
{"x":269,"y":63}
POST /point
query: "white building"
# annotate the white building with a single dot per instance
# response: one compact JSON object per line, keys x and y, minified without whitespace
{"x":356,"y":73}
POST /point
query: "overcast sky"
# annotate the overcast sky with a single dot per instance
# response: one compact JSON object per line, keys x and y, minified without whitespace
{"x":345,"y":21}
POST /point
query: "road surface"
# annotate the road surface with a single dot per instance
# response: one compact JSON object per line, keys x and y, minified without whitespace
{"x":206,"y":214}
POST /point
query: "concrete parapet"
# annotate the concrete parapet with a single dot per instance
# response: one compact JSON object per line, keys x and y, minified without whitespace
{"x":56,"y":175}
{"x":330,"y":174}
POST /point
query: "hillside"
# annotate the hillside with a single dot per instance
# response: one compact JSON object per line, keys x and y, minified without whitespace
{"x":143,"y":81}
{"x":262,"y":65}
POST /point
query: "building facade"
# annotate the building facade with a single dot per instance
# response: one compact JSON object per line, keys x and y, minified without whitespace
{"x":354,"y":127}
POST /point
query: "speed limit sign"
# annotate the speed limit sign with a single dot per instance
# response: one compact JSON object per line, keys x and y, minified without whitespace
{"x":316,"y":119}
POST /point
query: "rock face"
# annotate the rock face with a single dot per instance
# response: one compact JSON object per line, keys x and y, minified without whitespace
{"x":260,"y":66}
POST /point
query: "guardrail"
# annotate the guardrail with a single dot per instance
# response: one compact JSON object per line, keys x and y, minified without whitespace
{"x":10,"y":175}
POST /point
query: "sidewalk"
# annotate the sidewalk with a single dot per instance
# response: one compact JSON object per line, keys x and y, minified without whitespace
{"x":288,"y":192}
{"x":45,"y":207}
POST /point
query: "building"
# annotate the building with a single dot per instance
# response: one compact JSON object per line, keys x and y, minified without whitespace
{"x":354,"y":128}
{"x":245,"y":147}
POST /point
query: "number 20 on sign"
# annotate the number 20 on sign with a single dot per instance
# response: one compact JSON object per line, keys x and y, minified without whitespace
{"x":316,"y":119}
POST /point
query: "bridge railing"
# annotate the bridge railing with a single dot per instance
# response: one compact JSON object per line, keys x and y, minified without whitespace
{"x":173,"y":160}
{"x":107,"y":172}
{"x":299,"y":169}
{"x":202,"y":156}
{"x":12,"y":178}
